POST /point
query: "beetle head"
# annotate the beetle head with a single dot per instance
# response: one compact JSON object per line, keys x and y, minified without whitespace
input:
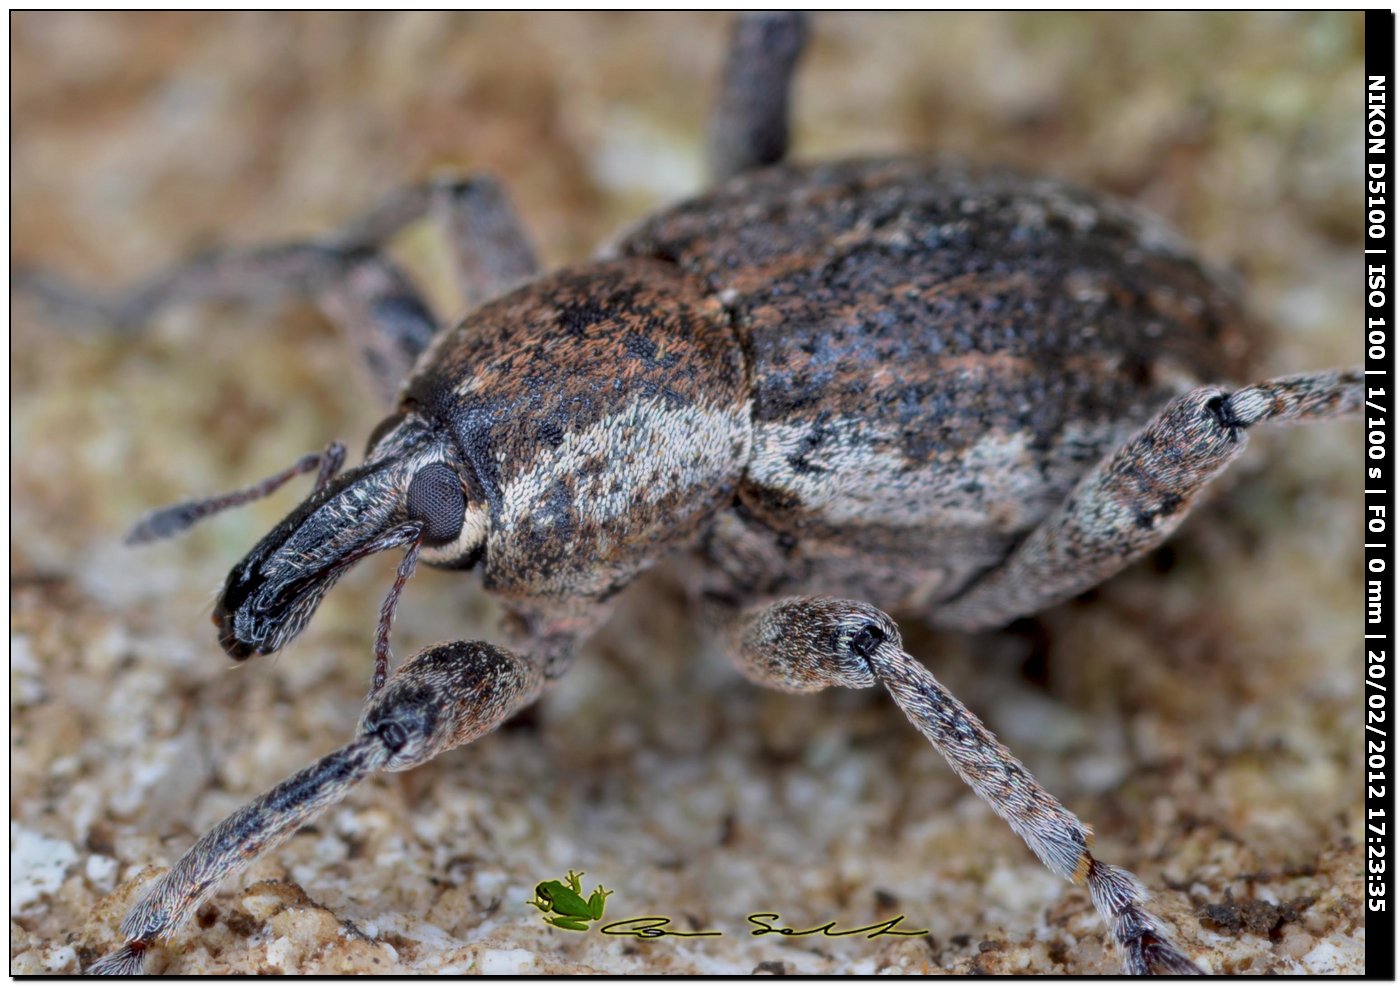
{"x":412,"y":488}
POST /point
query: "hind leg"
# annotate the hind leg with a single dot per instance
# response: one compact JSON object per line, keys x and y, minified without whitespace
{"x":1138,"y":495}
{"x":805,"y":644}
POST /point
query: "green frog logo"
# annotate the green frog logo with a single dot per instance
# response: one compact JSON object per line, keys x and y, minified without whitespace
{"x":564,"y":906}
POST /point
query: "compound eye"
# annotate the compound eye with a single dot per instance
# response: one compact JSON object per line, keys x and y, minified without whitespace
{"x":435,"y":500}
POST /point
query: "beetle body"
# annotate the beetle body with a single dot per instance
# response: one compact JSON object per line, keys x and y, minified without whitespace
{"x":868,"y":378}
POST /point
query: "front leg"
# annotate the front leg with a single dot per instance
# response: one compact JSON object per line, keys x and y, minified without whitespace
{"x":373,"y":303}
{"x":806,"y":644}
{"x":441,"y":698}
{"x":364,"y":294}
{"x":1134,"y":499}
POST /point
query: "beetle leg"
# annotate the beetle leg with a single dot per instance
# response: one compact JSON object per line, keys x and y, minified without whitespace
{"x":806,"y":644}
{"x":362,"y":292}
{"x":749,"y":125}
{"x":442,"y":697}
{"x":492,"y":249}
{"x":491,"y":246}
{"x":356,"y":286}
{"x":383,"y":654}
{"x":1138,"y":494}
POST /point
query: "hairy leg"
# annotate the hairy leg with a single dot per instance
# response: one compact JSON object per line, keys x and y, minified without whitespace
{"x":805,"y":644}
{"x":1135,"y":498}
{"x":749,"y":126}
{"x":492,"y":250}
{"x":441,"y":698}
{"x":490,"y":246}
{"x":373,"y":303}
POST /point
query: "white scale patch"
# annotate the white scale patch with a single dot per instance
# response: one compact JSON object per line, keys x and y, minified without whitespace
{"x":857,"y":475}
{"x":692,"y":448}
{"x":476,"y":521}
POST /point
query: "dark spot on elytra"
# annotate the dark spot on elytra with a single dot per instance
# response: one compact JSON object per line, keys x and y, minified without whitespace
{"x":639,"y":346}
{"x":550,"y":432}
{"x":576,"y":318}
{"x":811,"y":442}
{"x":593,"y":466}
{"x":559,"y":511}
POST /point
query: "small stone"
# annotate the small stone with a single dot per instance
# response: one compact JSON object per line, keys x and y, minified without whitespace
{"x":101,"y":872}
{"x":505,"y":961}
{"x":38,"y":865}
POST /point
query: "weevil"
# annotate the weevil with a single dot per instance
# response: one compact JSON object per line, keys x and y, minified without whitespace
{"x":564,"y":905}
{"x":870,"y":387}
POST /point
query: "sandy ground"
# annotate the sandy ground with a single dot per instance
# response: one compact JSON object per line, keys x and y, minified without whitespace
{"x":1201,"y":710}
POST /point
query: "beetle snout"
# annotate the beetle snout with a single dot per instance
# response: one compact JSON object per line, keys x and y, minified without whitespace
{"x":270,"y":596}
{"x":263,"y":605}
{"x":228,"y":640}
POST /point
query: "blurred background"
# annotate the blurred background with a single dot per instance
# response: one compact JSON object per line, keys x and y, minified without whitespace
{"x":1201,"y":710}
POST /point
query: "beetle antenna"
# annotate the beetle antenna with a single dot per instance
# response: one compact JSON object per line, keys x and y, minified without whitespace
{"x":383,"y":655}
{"x":169,"y":521}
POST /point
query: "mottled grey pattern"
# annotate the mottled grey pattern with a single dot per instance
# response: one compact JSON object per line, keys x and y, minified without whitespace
{"x":938,"y":352}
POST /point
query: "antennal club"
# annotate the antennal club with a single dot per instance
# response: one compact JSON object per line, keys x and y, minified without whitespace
{"x":169,"y":521}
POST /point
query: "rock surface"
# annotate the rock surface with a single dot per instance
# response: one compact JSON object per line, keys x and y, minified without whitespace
{"x":1201,"y":710}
